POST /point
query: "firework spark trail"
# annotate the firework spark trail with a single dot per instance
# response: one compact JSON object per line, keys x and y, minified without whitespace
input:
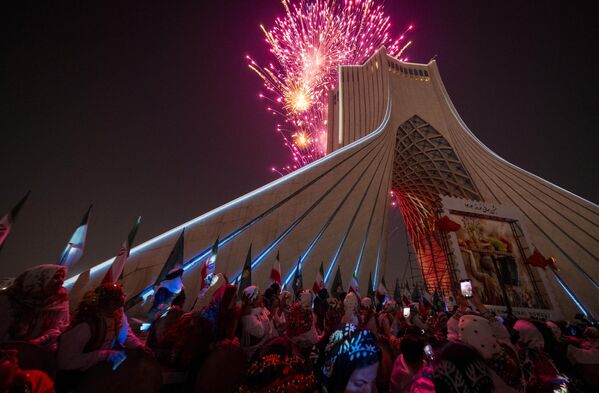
{"x":309,"y":43}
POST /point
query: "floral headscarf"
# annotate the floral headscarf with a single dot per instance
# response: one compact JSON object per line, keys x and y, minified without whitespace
{"x":348,"y":349}
{"x":299,"y":321}
{"x":477,"y":332}
{"x":276,"y":373}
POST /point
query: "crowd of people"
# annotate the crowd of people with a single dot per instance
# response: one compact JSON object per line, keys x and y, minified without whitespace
{"x":290,"y":342}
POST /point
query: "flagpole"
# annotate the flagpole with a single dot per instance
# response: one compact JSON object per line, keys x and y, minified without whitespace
{"x":65,"y":254}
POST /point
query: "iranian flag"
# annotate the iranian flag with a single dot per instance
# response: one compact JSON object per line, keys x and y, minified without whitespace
{"x":8,"y":220}
{"x":275,"y":272}
{"x":210,"y":265}
{"x":74,"y":248}
{"x":118,"y":265}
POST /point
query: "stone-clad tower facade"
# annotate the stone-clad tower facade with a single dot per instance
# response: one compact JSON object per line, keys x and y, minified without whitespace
{"x":392,"y":127}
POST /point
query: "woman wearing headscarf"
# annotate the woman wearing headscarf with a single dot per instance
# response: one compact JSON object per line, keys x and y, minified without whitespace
{"x":485,"y":336}
{"x":166,"y":292}
{"x":541,"y":373}
{"x":351,"y":361}
{"x":194,"y":335}
{"x":256,"y":326}
{"x":351,"y":304}
{"x":35,"y":307}
{"x":281,"y":307}
{"x":367,"y":315}
{"x":301,"y":326}
{"x":13,"y":379}
{"x":388,"y":325}
{"x":99,"y":330}
{"x":275,"y":373}
{"x":457,"y":368}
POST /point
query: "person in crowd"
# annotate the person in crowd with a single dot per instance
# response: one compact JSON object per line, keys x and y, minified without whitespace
{"x":408,"y":363}
{"x":279,"y":373}
{"x":270,"y":294}
{"x":351,"y":305}
{"x":99,"y":332}
{"x":457,"y":368}
{"x":540,"y":371}
{"x":301,"y":325}
{"x":166,"y":292}
{"x":388,"y":324}
{"x":280,"y":310}
{"x":15,"y":380}
{"x":484,"y":334}
{"x":196,"y":333}
{"x":417,"y":318}
{"x":35,"y":307}
{"x":321,"y":305}
{"x":162,"y":324}
{"x":256,"y":326}
{"x":351,"y":361}
{"x":367,"y":315}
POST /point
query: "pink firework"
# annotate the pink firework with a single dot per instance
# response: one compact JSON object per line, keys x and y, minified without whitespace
{"x":309,"y":43}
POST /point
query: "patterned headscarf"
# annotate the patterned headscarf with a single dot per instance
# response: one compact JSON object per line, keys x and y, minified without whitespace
{"x":458,"y":369}
{"x":220,"y":302}
{"x":348,"y":349}
{"x":299,"y":320}
{"x":499,"y":355}
{"x":33,"y":311}
{"x":29,"y":287}
{"x":334,"y":313}
{"x":276,"y":373}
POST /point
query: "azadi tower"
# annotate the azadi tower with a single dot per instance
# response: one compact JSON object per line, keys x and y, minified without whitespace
{"x":394,"y":133}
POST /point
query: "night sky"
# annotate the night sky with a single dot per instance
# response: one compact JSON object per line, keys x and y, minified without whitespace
{"x":150,"y":109}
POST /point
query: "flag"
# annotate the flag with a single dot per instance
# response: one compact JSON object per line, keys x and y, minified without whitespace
{"x":397,"y":292}
{"x":8,"y":220}
{"x":174,"y":260}
{"x":245,"y":279}
{"x":370,"y":289}
{"x":416,"y":294}
{"x":353,"y":285}
{"x":275,"y":272}
{"x":298,"y":282}
{"x":74,"y":248}
{"x":427,"y":298}
{"x":209,"y":266}
{"x":382,"y":288}
{"x":118,"y":265}
{"x":337,"y":288}
{"x":438,"y":304}
{"x":319,"y":281}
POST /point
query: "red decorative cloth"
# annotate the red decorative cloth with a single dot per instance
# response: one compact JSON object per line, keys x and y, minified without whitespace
{"x":447,"y":225}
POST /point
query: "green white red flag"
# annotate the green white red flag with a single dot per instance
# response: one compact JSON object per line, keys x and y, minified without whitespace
{"x":118,"y":265}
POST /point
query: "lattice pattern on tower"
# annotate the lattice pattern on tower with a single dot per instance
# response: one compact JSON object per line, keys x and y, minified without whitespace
{"x":426,"y":167}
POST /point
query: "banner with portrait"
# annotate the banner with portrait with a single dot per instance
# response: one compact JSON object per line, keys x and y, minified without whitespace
{"x":490,"y":248}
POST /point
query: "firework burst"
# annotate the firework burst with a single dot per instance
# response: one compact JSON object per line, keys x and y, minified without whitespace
{"x":309,"y":43}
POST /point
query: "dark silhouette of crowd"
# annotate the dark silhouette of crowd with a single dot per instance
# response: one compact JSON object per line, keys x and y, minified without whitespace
{"x":273,"y":340}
